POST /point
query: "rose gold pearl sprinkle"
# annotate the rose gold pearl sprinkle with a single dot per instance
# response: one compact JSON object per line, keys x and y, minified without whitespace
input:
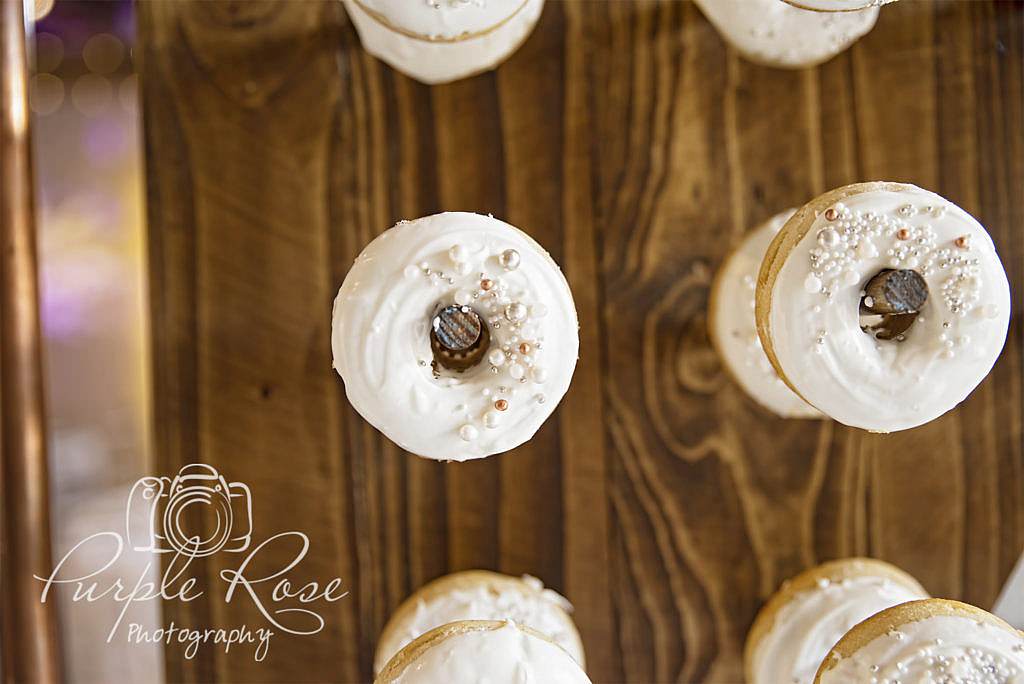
{"x":501,"y":404}
{"x":524,"y":348}
{"x":486,"y":284}
{"x":831,"y":214}
{"x":963,"y":241}
{"x":903,"y":234}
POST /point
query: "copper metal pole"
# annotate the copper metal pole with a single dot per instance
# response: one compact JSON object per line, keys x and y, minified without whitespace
{"x":30,"y":649}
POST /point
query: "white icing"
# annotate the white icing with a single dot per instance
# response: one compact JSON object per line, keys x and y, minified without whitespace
{"x":443,"y":19}
{"x":735,"y":329}
{"x":778,"y":34}
{"x":837,"y":5}
{"x":444,"y":43}
{"x":381,"y":336}
{"x":530,"y":604}
{"x":879,"y":385}
{"x":495,"y":656}
{"x":814,"y":620}
{"x":943,"y":649}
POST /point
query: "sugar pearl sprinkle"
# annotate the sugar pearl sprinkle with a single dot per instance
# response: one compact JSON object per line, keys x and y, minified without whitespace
{"x":936,"y":664}
{"x":851,"y":237}
{"x":513,"y":319}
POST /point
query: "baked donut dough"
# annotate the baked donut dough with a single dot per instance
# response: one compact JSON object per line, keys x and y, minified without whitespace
{"x":437,"y":41}
{"x":837,"y":5}
{"x":480,"y":595}
{"x":474,"y":651}
{"x":456,"y":335}
{"x":809,"y":613}
{"x":944,"y":280}
{"x":934,"y":640}
{"x":777,"y":34}
{"x":733,"y":327}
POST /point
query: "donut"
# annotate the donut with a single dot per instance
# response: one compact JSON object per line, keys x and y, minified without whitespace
{"x":777,"y":34}
{"x":933,"y":640}
{"x":837,"y":5}
{"x":480,"y":595}
{"x":882,"y":305}
{"x":482,"y":651}
{"x":809,"y":613}
{"x":733,"y":328}
{"x":456,"y":335}
{"x":438,"y":41}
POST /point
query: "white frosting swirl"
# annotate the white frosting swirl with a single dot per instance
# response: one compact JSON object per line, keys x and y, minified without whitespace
{"x":775,"y":33}
{"x":814,"y":323}
{"x":951,"y":649}
{"x":525,"y":602}
{"x":505,"y":654}
{"x":381,"y":336}
{"x":438,"y":41}
{"x":814,"y":620}
{"x":734,"y":328}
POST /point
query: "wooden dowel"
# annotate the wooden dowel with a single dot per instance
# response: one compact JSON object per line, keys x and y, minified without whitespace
{"x":30,"y":650}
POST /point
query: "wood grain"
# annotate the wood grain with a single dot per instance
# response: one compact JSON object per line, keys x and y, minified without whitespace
{"x":638,"y":148}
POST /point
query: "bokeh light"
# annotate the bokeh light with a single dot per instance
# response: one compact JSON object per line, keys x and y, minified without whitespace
{"x":91,"y":94}
{"x":41,"y":9}
{"x":47,"y":94}
{"x":49,"y":52}
{"x":103,"y":53}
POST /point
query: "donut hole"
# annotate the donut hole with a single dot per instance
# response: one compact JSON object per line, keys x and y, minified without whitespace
{"x":459,"y":339}
{"x":891,"y":302}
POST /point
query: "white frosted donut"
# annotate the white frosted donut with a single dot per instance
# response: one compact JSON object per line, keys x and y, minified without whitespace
{"x":437,"y":41}
{"x":480,"y":595}
{"x":381,"y":335}
{"x":837,"y":5}
{"x":777,"y":34}
{"x":810,"y":290}
{"x":482,"y":651}
{"x":733,"y":326}
{"x":935,"y":640}
{"x":810,"y":612}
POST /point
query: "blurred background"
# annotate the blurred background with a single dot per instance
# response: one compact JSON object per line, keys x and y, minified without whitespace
{"x":92,"y":268}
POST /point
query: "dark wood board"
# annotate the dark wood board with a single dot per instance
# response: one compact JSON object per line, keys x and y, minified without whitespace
{"x":637,"y":147}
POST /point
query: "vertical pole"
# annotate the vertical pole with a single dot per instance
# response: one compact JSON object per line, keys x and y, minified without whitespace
{"x":29,"y":650}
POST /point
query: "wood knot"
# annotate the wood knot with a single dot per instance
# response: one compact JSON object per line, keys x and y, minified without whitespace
{"x":892,"y":301}
{"x":458,"y":337}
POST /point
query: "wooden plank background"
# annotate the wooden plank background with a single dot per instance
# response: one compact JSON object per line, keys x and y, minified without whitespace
{"x":635,"y":145}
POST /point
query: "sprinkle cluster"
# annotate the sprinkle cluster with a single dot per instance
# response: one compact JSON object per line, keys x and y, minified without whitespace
{"x":515,"y":332}
{"x":949,"y":665}
{"x":852,"y":237}
{"x":438,"y":4}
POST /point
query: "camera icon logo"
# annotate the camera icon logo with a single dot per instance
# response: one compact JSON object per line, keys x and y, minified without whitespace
{"x":197,"y":514}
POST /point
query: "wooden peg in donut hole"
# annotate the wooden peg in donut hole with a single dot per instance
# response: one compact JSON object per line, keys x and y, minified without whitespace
{"x":458,"y":338}
{"x":892,"y":301}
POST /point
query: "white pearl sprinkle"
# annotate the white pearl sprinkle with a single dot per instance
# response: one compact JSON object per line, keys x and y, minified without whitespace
{"x":517,"y":371}
{"x":828,"y":238}
{"x":812,"y":283}
{"x":457,"y":253}
{"x":515,"y":312}
{"x":496,"y":357}
{"x":491,"y":419}
{"x":468,"y":433}
{"x":509,"y":259}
